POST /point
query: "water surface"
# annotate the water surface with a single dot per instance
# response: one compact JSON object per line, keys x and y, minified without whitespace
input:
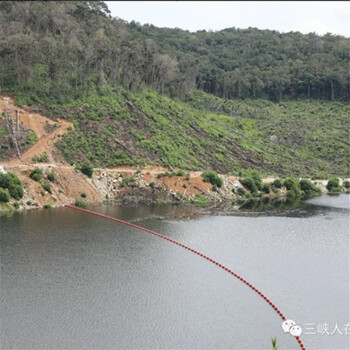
{"x":75,"y":281}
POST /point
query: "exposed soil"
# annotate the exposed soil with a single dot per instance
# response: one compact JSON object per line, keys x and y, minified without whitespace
{"x":42,"y":126}
{"x":105,"y":184}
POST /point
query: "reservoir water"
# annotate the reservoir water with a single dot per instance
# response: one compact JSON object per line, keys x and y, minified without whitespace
{"x":75,"y":281}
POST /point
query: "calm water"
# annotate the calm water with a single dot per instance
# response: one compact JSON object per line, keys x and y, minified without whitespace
{"x":75,"y":281}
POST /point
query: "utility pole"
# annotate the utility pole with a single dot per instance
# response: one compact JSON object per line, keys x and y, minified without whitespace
{"x":17,"y":120}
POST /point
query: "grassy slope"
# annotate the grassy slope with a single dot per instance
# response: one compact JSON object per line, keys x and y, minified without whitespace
{"x":289,"y":138}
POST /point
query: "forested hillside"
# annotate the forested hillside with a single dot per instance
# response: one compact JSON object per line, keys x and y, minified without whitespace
{"x":62,"y":50}
{"x":253,"y":63}
{"x":144,"y":95}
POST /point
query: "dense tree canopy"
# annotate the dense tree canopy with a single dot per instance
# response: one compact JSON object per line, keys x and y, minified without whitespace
{"x":64,"y":50}
{"x":236,"y":63}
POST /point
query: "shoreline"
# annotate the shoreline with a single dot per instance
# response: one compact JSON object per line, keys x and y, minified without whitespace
{"x":131,"y":186}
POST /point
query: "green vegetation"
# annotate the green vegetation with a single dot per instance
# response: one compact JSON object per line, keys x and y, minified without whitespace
{"x":256,"y":133}
{"x":212,"y":177}
{"x":333,"y":185}
{"x":83,"y":195}
{"x":198,"y":201}
{"x":152,"y":107}
{"x":274,"y":343}
{"x":319,"y":176}
{"x":16,"y":191}
{"x":173,"y":173}
{"x":47,"y":206}
{"x":293,"y":188}
{"x":36,"y":174}
{"x":80,"y":204}
{"x":277,"y":183}
{"x":309,"y":189}
{"x":128,"y":182}
{"x":53,"y":60}
{"x":51,"y":177}
{"x":87,"y":169}
{"x":240,"y":191}
{"x":8,"y":179}
{"x":266,"y":188}
{"x":253,"y":182}
{"x":13,"y":184}
{"x":31,"y":137}
{"x":47,"y":187}
{"x":253,"y":63}
{"x":250,"y":184}
{"x":301,"y":189}
{"x":4,"y":196}
{"x":40,"y":159}
{"x":346,"y":184}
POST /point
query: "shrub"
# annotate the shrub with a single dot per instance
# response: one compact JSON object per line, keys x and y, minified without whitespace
{"x":214,"y":188}
{"x":309,"y":188}
{"x":320,"y":176}
{"x":240,"y":191}
{"x":266,"y":188}
{"x":29,"y":202}
{"x":253,"y":174}
{"x":87,"y":169}
{"x":346,"y":184}
{"x":16,"y":191}
{"x":333,"y":185}
{"x":277,"y":183}
{"x":46,"y":186}
{"x":6,"y":180}
{"x":36,"y":174}
{"x":83,"y":195}
{"x":199,"y":200}
{"x":80,"y":204}
{"x":152,"y":184}
{"x":51,"y":177}
{"x":249,"y":183}
{"x":14,"y":179}
{"x":293,"y":188}
{"x":31,"y":137}
{"x":40,"y":159}
{"x":4,"y":196}
{"x":290,"y":183}
{"x":47,"y":206}
{"x":128,"y":182}
{"x":212,"y":177}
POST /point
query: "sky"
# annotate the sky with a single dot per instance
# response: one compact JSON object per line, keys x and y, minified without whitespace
{"x":303,"y":16}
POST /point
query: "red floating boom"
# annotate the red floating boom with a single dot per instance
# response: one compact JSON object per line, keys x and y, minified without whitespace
{"x":195,"y":252}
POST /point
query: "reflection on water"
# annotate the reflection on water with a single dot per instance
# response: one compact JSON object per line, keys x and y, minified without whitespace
{"x":267,"y":204}
{"x":295,"y":207}
{"x":75,"y":281}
